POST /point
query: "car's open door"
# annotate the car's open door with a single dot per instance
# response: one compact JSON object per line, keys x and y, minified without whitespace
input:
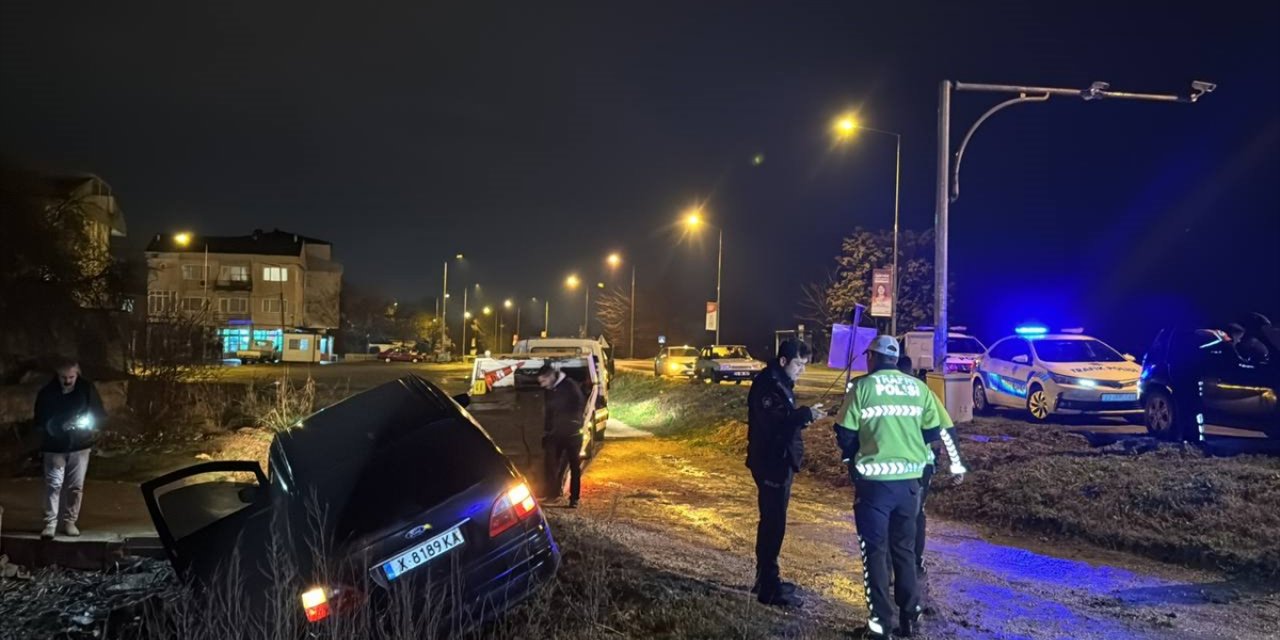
{"x":210,"y":513}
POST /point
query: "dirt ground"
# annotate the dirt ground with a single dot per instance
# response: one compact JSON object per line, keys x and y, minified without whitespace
{"x":688,"y":507}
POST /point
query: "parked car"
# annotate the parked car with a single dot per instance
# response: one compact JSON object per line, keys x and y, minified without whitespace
{"x":676,"y":361}
{"x":259,"y":351}
{"x":721,"y":362}
{"x":1057,"y":373}
{"x":401,"y":355}
{"x":963,"y":350}
{"x":405,"y":490}
{"x":1196,"y":378}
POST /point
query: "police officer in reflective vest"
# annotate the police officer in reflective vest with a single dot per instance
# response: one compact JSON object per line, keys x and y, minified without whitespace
{"x":882,"y":430}
{"x":775,"y":451}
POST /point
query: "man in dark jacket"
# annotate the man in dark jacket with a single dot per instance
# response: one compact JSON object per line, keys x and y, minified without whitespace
{"x":69,"y":416}
{"x":775,"y":451}
{"x":565,"y":409}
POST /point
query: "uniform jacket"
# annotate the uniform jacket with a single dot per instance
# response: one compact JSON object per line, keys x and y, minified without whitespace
{"x":565,"y":407}
{"x":774,"y":423}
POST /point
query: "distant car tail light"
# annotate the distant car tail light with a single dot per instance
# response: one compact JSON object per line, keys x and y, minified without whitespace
{"x":511,"y":508}
{"x":316,"y":603}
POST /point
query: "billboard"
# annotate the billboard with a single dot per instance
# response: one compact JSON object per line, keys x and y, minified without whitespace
{"x":713,"y":316}
{"x":882,"y":293}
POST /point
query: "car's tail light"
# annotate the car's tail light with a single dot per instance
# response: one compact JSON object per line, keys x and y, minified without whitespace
{"x":316,"y":603}
{"x":511,"y":508}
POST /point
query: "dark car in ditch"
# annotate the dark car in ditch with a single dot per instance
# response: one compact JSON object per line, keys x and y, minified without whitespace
{"x":1197,"y":378}
{"x":393,"y":495}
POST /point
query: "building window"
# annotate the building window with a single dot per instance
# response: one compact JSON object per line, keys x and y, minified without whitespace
{"x":299,"y":344}
{"x":192,"y":272}
{"x":159,"y":302}
{"x":275,"y":274}
{"x":193,"y":303}
{"x":233,"y":305}
{"x":272,"y":305}
{"x":234,"y":273}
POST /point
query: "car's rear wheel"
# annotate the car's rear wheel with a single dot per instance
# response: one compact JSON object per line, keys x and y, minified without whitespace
{"x":1038,"y":404}
{"x":1160,"y":415}
{"x":980,"y":404}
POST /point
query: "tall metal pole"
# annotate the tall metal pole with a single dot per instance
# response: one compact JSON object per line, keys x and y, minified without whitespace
{"x":546,"y":318}
{"x":897,"y":191}
{"x":631,"y":348}
{"x":444,"y":306}
{"x":586,"y":312}
{"x":940,"y":223}
{"x":519,"y":308}
{"x":719,"y":271}
{"x":465,"y":290}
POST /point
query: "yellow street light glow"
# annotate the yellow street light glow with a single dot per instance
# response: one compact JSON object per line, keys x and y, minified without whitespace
{"x":845,"y":125}
{"x":572,"y":282}
{"x":614,"y":260}
{"x":467,"y":315}
{"x":507,"y":303}
{"x":183,"y":238}
{"x":487,"y":311}
{"x":599,"y":285}
{"x":693,"y":219}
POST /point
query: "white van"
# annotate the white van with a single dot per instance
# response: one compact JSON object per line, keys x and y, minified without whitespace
{"x":600,"y":348}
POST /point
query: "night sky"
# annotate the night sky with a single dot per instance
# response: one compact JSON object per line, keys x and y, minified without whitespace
{"x":539,"y":137}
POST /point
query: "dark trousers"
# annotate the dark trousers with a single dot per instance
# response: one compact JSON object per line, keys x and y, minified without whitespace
{"x":885,"y":513}
{"x":920,"y":521}
{"x":774,"y":494}
{"x":557,"y":452}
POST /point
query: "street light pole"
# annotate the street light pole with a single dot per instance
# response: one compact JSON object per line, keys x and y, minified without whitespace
{"x":546,"y":318}
{"x":465,"y":290}
{"x":444,"y":308}
{"x":897,"y":191}
{"x":631,"y":348}
{"x":719,"y":272}
{"x":948,"y":189}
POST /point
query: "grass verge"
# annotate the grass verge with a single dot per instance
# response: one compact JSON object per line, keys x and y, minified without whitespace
{"x":1168,"y":502}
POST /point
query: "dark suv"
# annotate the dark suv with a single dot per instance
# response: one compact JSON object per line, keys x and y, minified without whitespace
{"x":1195,"y":378}
{"x":393,"y":495}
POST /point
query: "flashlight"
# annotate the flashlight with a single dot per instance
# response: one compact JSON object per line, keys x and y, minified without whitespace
{"x":85,"y":422}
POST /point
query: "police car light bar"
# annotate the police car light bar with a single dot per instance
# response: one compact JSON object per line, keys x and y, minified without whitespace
{"x":1074,"y":330}
{"x":1031,"y":331}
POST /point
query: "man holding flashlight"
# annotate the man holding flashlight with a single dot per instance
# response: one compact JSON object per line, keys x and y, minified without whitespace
{"x":69,"y":415}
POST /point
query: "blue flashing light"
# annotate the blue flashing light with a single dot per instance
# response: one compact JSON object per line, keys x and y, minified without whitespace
{"x":1031,"y":330}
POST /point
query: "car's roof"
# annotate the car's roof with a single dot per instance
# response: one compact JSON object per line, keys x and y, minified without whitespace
{"x":1053,"y":336}
{"x":355,"y":427}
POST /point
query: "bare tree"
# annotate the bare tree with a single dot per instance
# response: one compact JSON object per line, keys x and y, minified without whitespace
{"x":613,"y":310}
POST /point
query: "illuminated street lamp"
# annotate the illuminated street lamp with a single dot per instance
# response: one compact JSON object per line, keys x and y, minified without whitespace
{"x":615,"y":260}
{"x":183,"y":239}
{"x":444,"y":305}
{"x":572,"y":282}
{"x":693,"y":220}
{"x":845,"y":127}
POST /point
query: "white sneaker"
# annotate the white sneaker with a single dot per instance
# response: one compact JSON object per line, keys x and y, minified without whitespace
{"x":71,"y":529}
{"x":50,"y":530}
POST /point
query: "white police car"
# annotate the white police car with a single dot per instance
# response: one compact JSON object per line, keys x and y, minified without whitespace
{"x":1056,"y":373}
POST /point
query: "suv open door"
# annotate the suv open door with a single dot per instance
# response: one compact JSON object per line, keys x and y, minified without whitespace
{"x":204,"y":512}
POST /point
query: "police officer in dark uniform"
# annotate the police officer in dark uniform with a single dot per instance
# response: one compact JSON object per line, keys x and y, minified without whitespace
{"x":775,"y":451}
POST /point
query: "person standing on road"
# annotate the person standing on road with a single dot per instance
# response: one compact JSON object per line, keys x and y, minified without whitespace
{"x":564,"y":411}
{"x":904,"y":365}
{"x":69,"y":415}
{"x":775,"y":451}
{"x":885,"y":423}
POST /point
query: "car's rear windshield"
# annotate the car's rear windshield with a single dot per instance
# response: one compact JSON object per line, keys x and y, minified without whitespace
{"x":407,"y":474}
{"x":1051,"y":350}
{"x":730,"y":352}
{"x":682,"y":352}
{"x":964,"y":345}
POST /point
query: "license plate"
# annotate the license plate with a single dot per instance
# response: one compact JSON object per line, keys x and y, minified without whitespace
{"x":423,"y":553}
{"x":1119,"y":397}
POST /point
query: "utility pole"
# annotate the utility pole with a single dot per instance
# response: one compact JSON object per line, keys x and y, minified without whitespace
{"x":546,"y":318}
{"x":444,"y":308}
{"x":719,"y":272}
{"x":948,"y":189}
{"x":631,"y":349}
{"x":464,"y":324}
